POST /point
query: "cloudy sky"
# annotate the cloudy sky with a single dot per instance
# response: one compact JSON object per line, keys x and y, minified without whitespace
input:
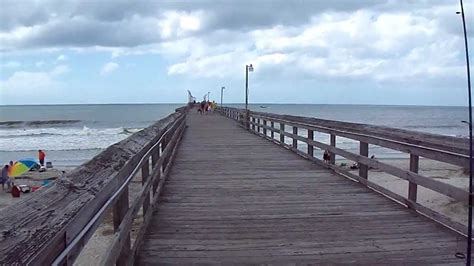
{"x":306,"y":51}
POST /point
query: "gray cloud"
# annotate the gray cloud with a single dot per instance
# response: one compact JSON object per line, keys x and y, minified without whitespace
{"x":82,"y":32}
{"x":333,"y":39}
{"x":127,"y":23}
{"x":20,"y":13}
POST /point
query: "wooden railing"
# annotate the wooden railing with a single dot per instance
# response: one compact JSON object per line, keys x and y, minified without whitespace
{"x":54,"y":224}
{"x":445,"y":149}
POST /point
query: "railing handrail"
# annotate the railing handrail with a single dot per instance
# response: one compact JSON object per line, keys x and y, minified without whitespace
{"x":64,"y":216}
{"x":451,"y":157}
{"x":112,"y":198}
{"x":257,"y":123}
{"x":440,"y":142}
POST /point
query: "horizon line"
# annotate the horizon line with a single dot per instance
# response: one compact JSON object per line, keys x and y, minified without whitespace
{"x":263,"y":103}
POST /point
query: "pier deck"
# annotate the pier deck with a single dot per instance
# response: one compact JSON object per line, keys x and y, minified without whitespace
{"x":233,"y":197}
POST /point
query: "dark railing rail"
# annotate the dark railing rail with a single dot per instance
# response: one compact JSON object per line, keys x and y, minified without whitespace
{"x":54,"y":224}
{"x":445,"y":149}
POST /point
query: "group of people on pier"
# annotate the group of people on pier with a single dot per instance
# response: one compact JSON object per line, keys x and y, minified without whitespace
{"x":206,"y":107}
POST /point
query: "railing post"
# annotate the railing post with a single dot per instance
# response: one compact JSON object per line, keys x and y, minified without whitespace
{"x":310,"y":147}
{"x":158,"y":175}
{"x":282,"y":137}
{"x":145,"y":176}
{"x":295,"y":141}
{"x":258,"y":125}
{"x":164,"y":143}
{"x":272,"y":133}
{"x":264,"y":128}
{"x":119,"y":211}
{"x":155,"y":155}
{"x":253,"y":125}
{"x":364,"y":151}
{"x":332,"y":158}
{"x":247,"y":119}
{"x":412,"y":187}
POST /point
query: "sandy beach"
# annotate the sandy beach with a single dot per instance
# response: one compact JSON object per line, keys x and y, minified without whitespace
{"x":442,"y":172}
{"x":32,"y":179}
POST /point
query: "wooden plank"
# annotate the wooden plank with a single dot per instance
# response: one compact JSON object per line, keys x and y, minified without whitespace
{"x":431,"y":214}
{"x":254,"y":202}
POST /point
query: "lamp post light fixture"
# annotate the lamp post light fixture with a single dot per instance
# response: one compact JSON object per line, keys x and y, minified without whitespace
{"x":248,"y":68}
{"x":222,"y":95}
{"x":468,"y":73}
{"x":247,"y":113}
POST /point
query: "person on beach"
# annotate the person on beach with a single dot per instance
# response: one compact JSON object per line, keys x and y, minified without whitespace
{"x":4,"y":178}
{"x":41,"y":157}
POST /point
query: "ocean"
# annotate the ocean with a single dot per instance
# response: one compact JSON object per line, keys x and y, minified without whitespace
{"x":72,"y":134}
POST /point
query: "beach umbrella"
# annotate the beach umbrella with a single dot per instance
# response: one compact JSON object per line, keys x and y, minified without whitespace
{"x":20,"y":167}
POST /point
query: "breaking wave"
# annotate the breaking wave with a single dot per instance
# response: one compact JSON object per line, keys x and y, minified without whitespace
{"x":57,"y":138}
{"x":37,"y":123}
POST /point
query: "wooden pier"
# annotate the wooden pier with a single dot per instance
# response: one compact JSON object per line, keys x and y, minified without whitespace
{"x":237,"y":188}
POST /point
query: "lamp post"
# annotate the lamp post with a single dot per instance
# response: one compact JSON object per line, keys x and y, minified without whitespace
{"x":222,"y":94}
{"x":248,"y":68}
{"x":468,"y":73}
{"x":208,"y":99}
{"x":247,"y":117}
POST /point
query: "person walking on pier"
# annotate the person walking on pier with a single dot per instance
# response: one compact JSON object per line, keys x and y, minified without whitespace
{"x":201,"y":109}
